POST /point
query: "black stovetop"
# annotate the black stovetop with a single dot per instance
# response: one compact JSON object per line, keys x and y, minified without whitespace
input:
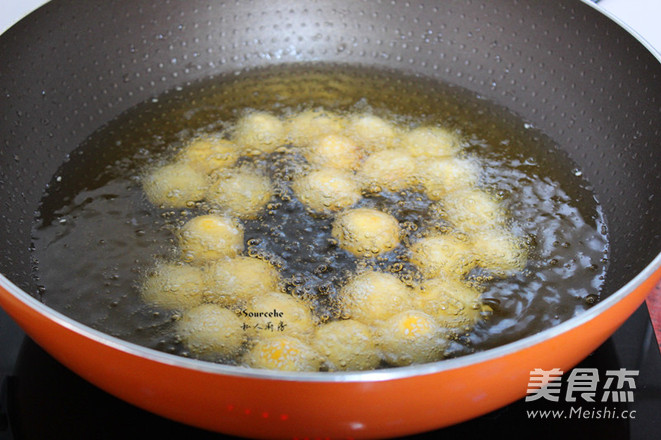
{"x":41,"y":399}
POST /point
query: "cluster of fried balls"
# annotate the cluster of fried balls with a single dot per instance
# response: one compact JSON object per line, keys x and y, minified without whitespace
{"x":232,"y":305}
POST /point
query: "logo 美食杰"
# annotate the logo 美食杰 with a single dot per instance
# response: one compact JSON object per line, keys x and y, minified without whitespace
{"x":583,"y":385}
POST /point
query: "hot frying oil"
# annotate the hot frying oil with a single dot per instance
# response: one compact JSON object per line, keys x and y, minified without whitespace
{"x":96,"y":235}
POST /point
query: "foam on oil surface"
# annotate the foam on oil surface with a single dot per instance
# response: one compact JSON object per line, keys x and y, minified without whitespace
{"x":96,"y":235}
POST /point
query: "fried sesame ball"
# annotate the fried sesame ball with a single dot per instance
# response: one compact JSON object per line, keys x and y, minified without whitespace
{"x":366,"y":232}
{"x":372,"y":296}
{"x":500,"y":252}
{"x":327,"y":190}
{"x":372,"y":132}
{"x":209,"y":153}
{"x":291,"y":316}
{"x":473,"y":210}
{"x":443,"y":254}
{"x":210,"y":330}
{"x":259,"y":131}
{"x":210,"y":237}
{"x":236,"y":280}
{"x":334,"y":151}
{"x":176,"y":185}
{"x":453,"y":303}
{"x":243,"y":192}
{"x":284,"y":353}
{"x":393,"y":169}
{"x":447,"y":175}
{"x":347,"y":345}
{"x":428,"y":142}
{"x":304,"y":127}
{"x":174,"y":286}
{"x":411,"y":337}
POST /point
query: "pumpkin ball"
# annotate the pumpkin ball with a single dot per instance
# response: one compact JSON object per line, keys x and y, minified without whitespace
{"x":346,"y":345}
{"x":207,"y":154}
{"x":334,"y":151}
{"x":453,"y":303}
{"x":244,"y":193}
{"x":210,"y":237}
{"x":327,"y":190}
{"x":237,"y":280}
{"x":176,"y":185}
{"x":275,"y":313}
{"x":443,"y":254}
{"x":372,"y":132}
{"x":366,"y":232}
{"x":211,"y":331}
{"x":304,"y":127}
{"x":428,"y":142}
{"x":473,"y":210}
{"x":440,"y":177}
{"x":259,"y":132}
{"x":411,"y":337}
{"x":372,"y":296}
{"x":500,"y":252}
{"x":174,"y":286}
{"x":283,"y":353}
{"x":393,"y":169}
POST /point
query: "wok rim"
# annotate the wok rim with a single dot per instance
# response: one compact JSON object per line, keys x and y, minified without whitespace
{"x":624,"y":25}
{"x":370,"y":376}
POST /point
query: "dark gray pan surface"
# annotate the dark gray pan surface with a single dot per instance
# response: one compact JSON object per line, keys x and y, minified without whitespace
{"x":73,"y":65}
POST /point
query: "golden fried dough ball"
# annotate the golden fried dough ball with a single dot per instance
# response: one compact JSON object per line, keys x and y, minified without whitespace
{"x":372,"y":132}
{"x":334,"y":151}
{"x":500,"y":252}
{"x":427,"y":142}
{"x":238,"y":279}
{"x":447,"y":175}
{"x":443,"y":254}
{"x":209,"y":153}
{"x":210,"y":237}
{"x":276,"y":313}
{"x":176,"y":185}
{"x":259,"y":131}
{"x":411,"y":337}
{"x":174,"y":286}
{"x":450,"y":301}
{"x":211,"y":330}
{"x":393,"y":169}
{"x":284,"y":353}
{"x":243,"y":192}
{"x":366,"y":232}
{"x":327,"y":190}
{"x":473,"y":210}
{"x":304,"y":127}
{"x":373,"y":296}
{"x":347,"y":345}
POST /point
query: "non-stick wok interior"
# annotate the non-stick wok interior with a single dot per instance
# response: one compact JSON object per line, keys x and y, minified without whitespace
{"x":569,"y":71}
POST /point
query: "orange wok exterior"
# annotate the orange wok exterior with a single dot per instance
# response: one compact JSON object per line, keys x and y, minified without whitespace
{"x":264,"y":404}
{"x":74,"y":65}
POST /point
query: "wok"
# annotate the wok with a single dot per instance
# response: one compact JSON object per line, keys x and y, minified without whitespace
{"x":74,"y":65}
